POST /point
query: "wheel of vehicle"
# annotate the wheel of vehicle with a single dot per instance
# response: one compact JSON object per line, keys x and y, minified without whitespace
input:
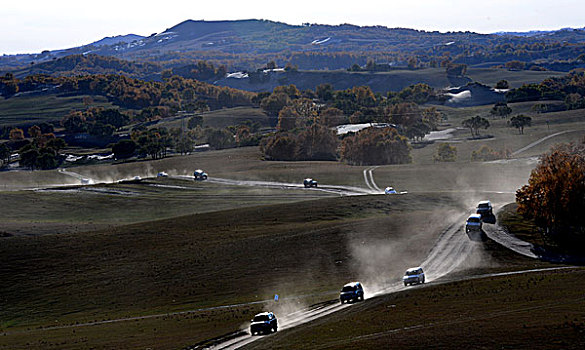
{"x":405,"y":284}
{"x":275,"y":329}
{"x":423,"y":280}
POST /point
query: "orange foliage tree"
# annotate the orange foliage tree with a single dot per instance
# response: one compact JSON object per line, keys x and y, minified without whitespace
{"x":555,"y":194}
{"x":375,"y":146}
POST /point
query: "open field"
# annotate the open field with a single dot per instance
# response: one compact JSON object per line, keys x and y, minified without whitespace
{"x":394,"y":80}
{"x":219,"y":258}
{"x":541,"y":310}
{"x":35,"y":109}
{"x":83,"y":208}
{"x":167,"y":263}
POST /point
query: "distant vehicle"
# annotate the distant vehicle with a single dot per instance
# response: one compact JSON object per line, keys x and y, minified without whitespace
{"x":414,"y":275}
{"x":484,"y":208}
{"x":309,"y":183}
{"x":390,"y":190}
{"x":473,"y":223}
{"x":264,"y":322}
{"x":353,"y":291}
{"x":200,"y":175}
{"x":85,"y":181}
{"x":162,"y":174}
{"x":136,"y":178}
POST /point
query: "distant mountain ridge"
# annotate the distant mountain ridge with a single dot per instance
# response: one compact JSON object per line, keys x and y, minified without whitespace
{"x":118,"y":39}
{"x":243,"y":41}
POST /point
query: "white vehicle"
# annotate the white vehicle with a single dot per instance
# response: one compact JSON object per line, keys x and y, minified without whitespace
{"x":162,"y":174}
{"x":85,"y":181}
{"x":473,"y":223}
{"x":390,"y":190}
{"x":414,"y":275}
{"x":136,"y":178}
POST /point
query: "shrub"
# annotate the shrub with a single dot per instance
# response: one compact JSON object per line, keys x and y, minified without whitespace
{"x":445,"y":153}
{"x":485,"y":153}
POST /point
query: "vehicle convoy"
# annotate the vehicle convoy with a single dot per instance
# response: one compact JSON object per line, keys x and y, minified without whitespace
{"x":264,"y":322}
{"x":414,"y":275}
{"x":353,"y":291}
{"x":390,"y":190}
{"x":200,"y":175}
{"x":308,"y":182}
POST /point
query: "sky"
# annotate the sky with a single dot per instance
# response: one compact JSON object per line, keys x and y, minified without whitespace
{"x":31,"y":26}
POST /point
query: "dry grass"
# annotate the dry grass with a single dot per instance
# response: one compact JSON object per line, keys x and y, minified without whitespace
{"x":533,"y":311}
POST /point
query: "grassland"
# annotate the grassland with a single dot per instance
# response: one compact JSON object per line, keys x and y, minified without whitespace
{"x":109,"y":252}
{"x":35,"y":109}
{"x":200,"y":261}
{"x":544,"y":310}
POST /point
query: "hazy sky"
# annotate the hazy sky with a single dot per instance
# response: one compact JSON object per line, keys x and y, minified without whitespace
{"x":32,"y":26}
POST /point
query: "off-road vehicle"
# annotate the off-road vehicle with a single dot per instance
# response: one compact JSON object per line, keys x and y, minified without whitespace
{"x":200,"y":175}
{"x":353,"y":291}
{"x":309,"y":183}
{"x":414,"y":275}
{"x":264,"y":322}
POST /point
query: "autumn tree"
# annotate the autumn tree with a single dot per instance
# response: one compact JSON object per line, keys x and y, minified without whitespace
{"x":445,"y":153}
{"x":519,"y":122}
{"x":324,"y":92}
{"x":431,"y":117}
{"x":372,"y":146}
{"x":515,"y":65}
{"x":485,"y":153}
{"x":476,"y":123}
{"x":502,"y":84}
{"x":555,"y":194}
{"x":501,"y":109}
{"x":280,"y":146}
{"x":287,"y":119}
{"x":16,"y":134}
{"x":219,"y":138}
{"x":333,"y":117}
{"x":317,"y":142}
{"x":274,"y":103}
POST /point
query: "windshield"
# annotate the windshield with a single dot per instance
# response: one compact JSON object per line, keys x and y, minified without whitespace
{"x":411,"y":273}
{"x":473,"y":220}
{"x":261,"y":318}
{"x":483,"y":205}
{"x":348,"y":289}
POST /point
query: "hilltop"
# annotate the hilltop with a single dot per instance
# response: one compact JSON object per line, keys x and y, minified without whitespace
{"x":243,"y":44}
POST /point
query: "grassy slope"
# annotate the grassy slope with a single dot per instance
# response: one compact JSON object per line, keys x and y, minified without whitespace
{"x":28,"y":109}
{"x":78,"y":209}
{"x":505,"y":137}
{"x":204,"y":260}
{"x":395,"y":80}
{"x":533,"y":311}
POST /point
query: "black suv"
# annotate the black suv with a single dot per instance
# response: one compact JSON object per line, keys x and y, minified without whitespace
{"x":264,"y":322}
{"x":351,"y":292}
{"x":310,"y":183}
{"x":199,"y":175}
